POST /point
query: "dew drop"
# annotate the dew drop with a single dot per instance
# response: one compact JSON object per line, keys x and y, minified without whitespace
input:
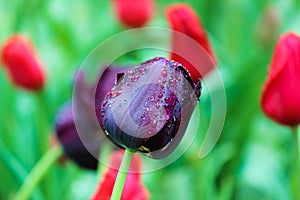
{"x":114,"y":93}
{"x":157,"y":105}
{"x":134,"y":79}
{"x":154,"y":124}
{"x":164,"y":73}
{"x":167,"y":117}
{"x":160,"y":95}
{"x":171,"y":81}
{"x":151,"y":98}
{"x":142,"y":70}
{"x":130,"y":72}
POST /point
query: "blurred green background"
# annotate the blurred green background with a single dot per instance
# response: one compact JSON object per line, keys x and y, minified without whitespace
{"x":250,"y":161}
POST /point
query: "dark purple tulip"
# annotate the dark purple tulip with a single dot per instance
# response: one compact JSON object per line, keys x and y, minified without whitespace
{"x":149,"y":107}
{"x":76,"y":139}
{"x":68,"y":136}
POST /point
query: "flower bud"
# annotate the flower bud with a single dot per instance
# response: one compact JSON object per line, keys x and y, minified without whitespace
{"x":149,"y":107}
{"x":182,"y":18}
{"x":280,"y":98}
{"x":21,"y":63}
{"x":268,"y":26}
{"x":79,"y":142}
{"x":134,"y":13}
{"x":68,"y":136}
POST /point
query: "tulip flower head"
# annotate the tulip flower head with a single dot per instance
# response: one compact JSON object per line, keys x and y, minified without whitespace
{"x":149,"y":107}
{"x":21,"y":63}
{"x":68,"y":136}
{"x":280,"y":98}
{"x":77,"y":130}
{"x":182,"y":18}
{"x":133,"y":189}
{"x":134,"y":13}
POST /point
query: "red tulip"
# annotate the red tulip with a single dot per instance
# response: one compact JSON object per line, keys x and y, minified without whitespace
{"x":21,"y":63}
{"x":134,"y":13}
{"x":133,"y":189}
{"x":183,"y":19}
{"x":281,"y":93}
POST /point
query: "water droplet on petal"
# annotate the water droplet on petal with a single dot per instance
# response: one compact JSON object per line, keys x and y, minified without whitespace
{"x":130,"y":72}
{"x":171,"y":81}
{"x":114,"y":93}
{"x":157,"y":105}
{"x":164,"y":73}
{"x":135,"y":78}
{"x":142,"y":70}
{"x":154,"y":124}
{"x":167,"y":117}
{"x":152,"y":98}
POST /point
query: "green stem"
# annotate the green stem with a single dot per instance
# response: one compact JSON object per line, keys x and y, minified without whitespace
{"x":295,"y":175}
{"x":43,"y":128}
{"x":38,"y":172}
{"x":104,"y":156}
{"x":122,"y":174}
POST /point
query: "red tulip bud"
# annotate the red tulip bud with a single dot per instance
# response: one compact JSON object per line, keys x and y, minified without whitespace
{"x":182,"y":18}
{"x":21,"y":63}
{"x":134,"y":13}
{"x":281,"y":93}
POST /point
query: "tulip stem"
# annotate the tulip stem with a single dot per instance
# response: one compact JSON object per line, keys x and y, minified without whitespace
{"x":42,"y":122}
{"x":122,"y":174}
{"x":103,"y":156}
{"x":295,"y":176}
{"x":38,"y":172}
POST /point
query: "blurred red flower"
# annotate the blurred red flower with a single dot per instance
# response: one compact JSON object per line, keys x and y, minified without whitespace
{"x":182,"y":18}
{"x":21,"y":63}
{"x":133,"y":189}
{"x":134,"y":13}
{"x":280,"y":98}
